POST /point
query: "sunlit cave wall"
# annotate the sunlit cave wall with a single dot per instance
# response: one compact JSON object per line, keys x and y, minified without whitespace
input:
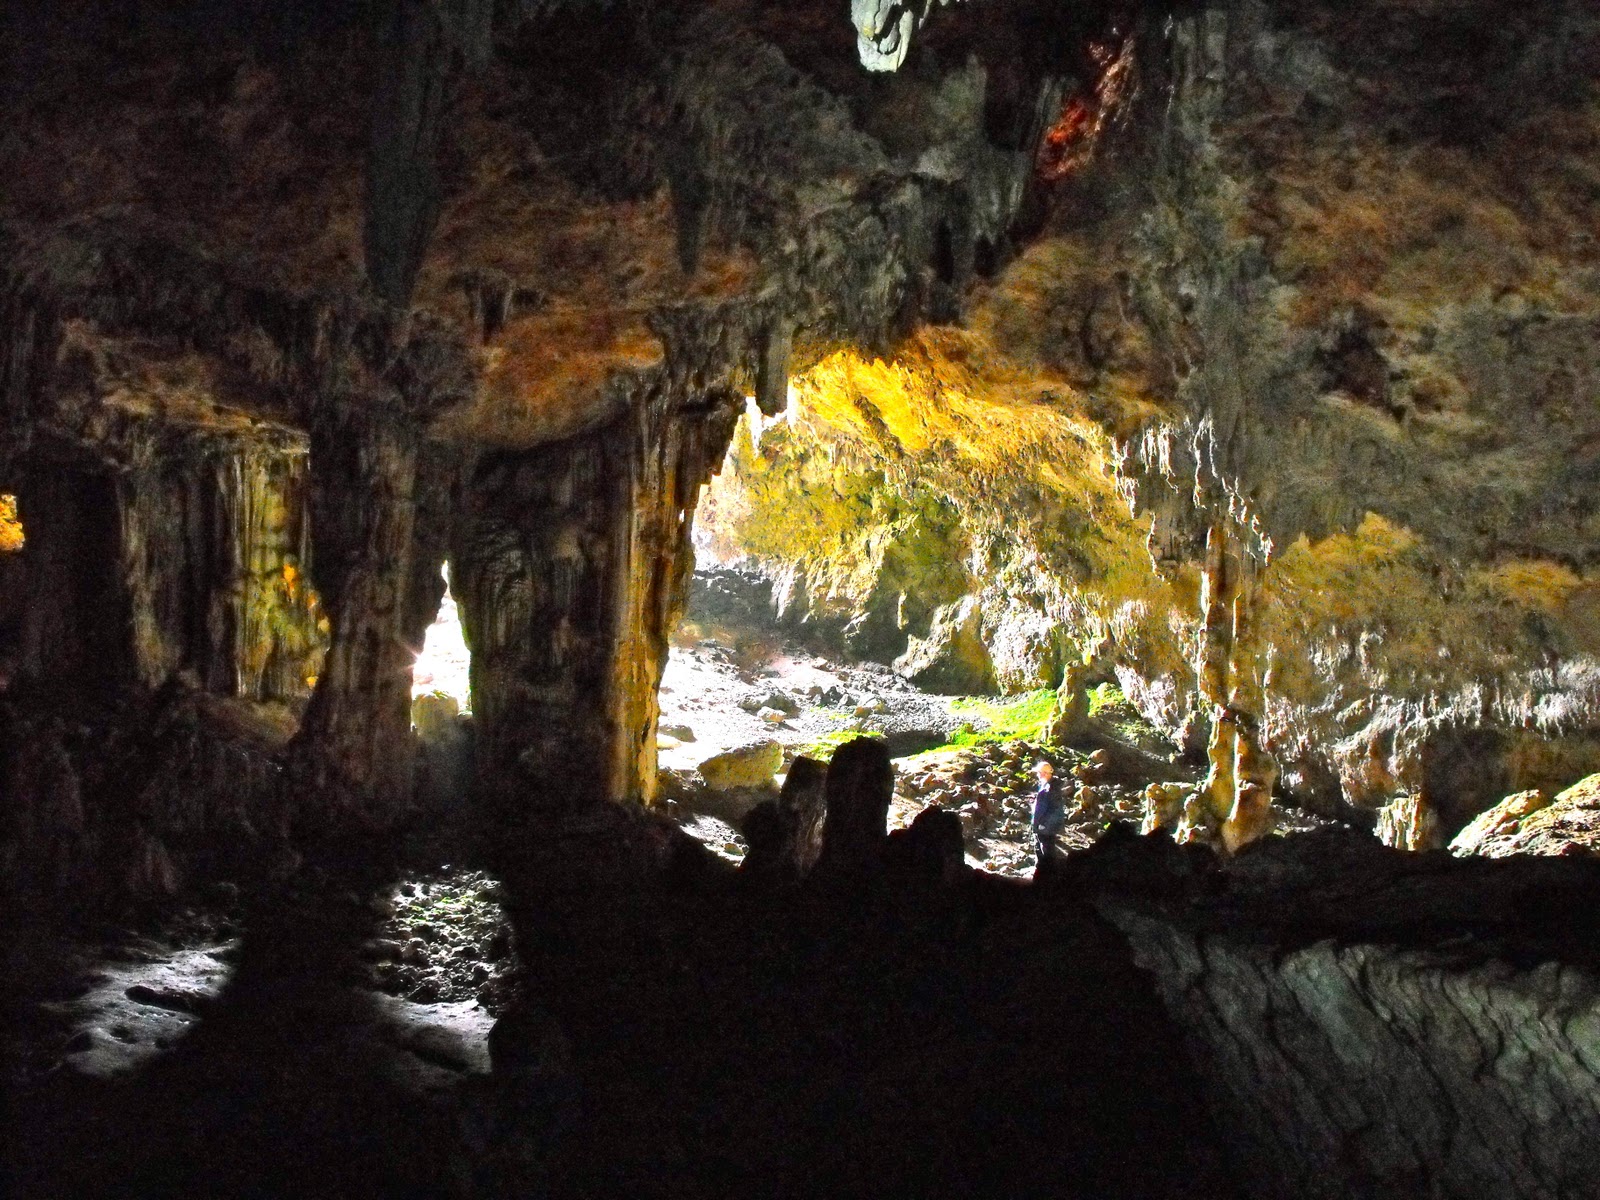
{"x":964,"y":527}
{"x":218,"y":555}
{"x":971,"y":524}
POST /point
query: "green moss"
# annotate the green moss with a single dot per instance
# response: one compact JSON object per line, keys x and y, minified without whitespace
{"x":822,"y":748}
{"x":1105,"y":695}
{"x":1024,"y":718}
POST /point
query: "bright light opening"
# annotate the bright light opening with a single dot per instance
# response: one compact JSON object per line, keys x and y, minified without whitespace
{"x":11,"y":538}
{"x":442,"y":667}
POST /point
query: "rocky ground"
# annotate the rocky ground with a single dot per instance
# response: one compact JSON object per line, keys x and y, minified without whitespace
{"x":445,"y":939}
{"x":419,"y":992}
{"x":739,"y":702}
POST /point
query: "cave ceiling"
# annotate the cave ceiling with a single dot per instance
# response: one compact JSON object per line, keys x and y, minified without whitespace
{"x":1300,"y":266}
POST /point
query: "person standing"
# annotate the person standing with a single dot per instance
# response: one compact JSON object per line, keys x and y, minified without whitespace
{"x":1049,"y":812}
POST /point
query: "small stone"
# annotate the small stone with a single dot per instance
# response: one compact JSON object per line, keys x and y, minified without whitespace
{"x":681,"y":732}
{"x":171,"y":999}
{"x":498,"y":946}
{"x":772,"y":716}
{"x":425,"y":992}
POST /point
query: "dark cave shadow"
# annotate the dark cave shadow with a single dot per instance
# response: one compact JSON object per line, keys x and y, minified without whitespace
{"x":991,"y":1038}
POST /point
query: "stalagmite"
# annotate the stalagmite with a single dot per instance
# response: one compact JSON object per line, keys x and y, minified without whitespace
{"x":1233,"y":804}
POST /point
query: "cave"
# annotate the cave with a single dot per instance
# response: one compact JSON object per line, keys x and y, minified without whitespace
{"x":405,"y":404}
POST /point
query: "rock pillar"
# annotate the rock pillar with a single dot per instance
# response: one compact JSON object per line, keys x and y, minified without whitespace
{"x":1233,"y":803}
{"x":570,"y":563}
{"x":356,"y":735}
{"x":859,"y":789}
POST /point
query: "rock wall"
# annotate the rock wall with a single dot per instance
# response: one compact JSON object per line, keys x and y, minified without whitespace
{"x":1368,"y":1022}
{"x":1347,"y":1049}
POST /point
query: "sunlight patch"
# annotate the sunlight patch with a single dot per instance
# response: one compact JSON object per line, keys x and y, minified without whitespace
{"x":442,"y":667}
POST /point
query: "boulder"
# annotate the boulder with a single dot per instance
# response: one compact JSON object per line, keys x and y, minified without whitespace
{"x":681,"y":732}
{"x":434,"y":716}
{"x":783,"y":702}
{"x":931,"y":849}
{"x":1502,"y":821}
{"x":751,"y":765}
{"x":785,"y":835}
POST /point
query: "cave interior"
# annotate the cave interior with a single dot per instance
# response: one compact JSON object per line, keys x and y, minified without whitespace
{"x":1239,"y":356}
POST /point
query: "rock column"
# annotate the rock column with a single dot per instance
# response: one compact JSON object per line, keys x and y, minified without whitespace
{"x":356,"y":736}
{"x":571,"y":563}
{"x":1233,"y":804}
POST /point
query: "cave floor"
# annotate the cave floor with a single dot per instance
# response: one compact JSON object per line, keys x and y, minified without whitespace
{"x":991,"y":1039}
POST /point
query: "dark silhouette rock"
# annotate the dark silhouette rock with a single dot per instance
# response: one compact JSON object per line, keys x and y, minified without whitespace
{"x":930,"y":849}
{"x":859,"y":786}
{"x":785,"y":835}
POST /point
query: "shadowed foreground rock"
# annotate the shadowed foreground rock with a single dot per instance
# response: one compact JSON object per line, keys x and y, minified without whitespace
{"x":1371,"y":1023}
{"x":785,"y":834}
{"x":859,"y":787}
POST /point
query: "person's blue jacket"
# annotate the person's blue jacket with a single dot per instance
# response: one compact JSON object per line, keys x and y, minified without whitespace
{"x":1049,"y":813}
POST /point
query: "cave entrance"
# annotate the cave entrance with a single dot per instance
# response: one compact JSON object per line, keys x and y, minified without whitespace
{"x":851,"y":581}
{"x":442,"y":670}
{"x":441,"y":708}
